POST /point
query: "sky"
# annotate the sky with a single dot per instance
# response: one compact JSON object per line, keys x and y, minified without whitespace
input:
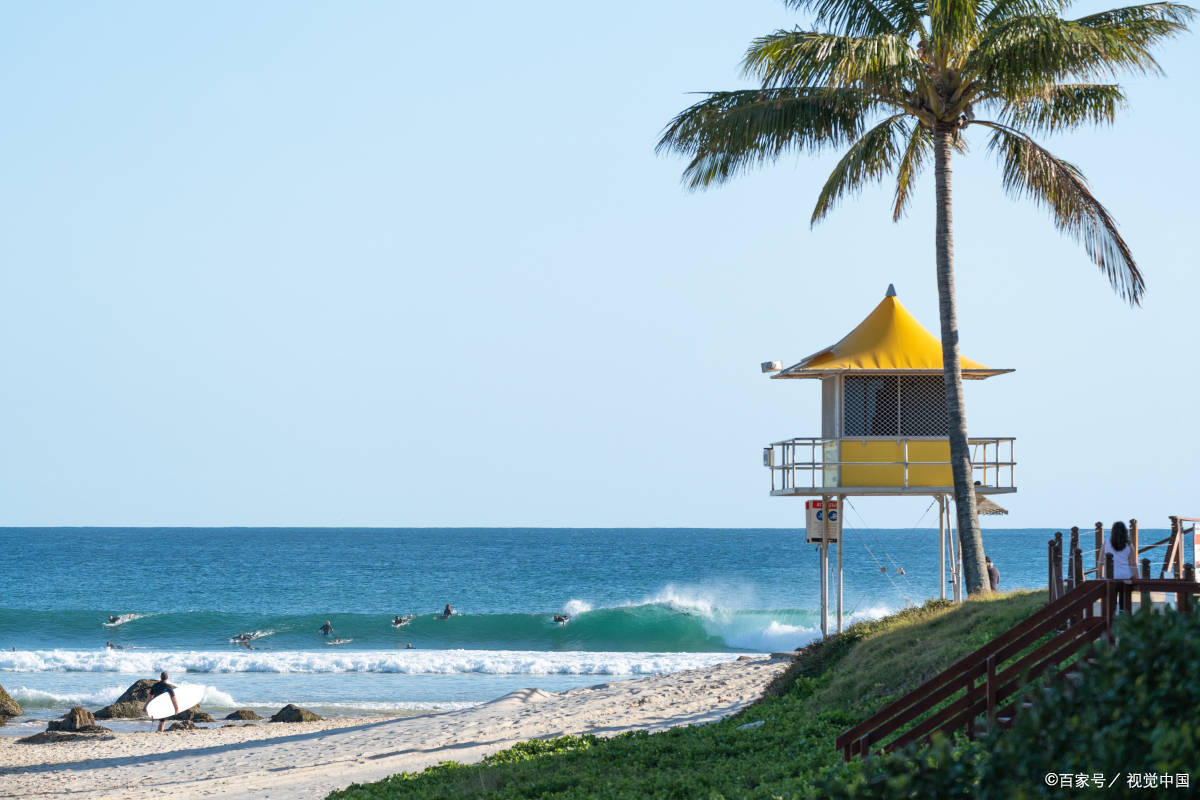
{"x":401,"y":264}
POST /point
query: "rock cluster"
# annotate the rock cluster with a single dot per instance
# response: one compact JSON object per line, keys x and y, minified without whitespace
{"x":193,"y":715}
{"x":293,"y":713}
{"x":8,"y":706}
{"x":131,"y":704}
{"x":242,"y":713}
{"x":77,"y":720}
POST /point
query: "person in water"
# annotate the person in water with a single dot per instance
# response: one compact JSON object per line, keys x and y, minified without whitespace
{"x":111,"y":618}
{"x":447,"y":611}
{"x":326,"y":629}
{"x":114,"y":646}
{"x":156,"y":690}
{"x":561,"y":619}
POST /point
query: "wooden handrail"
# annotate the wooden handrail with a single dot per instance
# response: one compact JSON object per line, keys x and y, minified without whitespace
{"x":1072,"y":623}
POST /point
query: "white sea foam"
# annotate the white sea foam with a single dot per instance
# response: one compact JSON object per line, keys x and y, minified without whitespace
{"x":573,"y":607}
{"x":38,"y":698}
{"x":412,"y":662}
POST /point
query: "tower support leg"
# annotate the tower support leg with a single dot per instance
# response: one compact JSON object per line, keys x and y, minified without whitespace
{"x":941,"y":501}
{"x":840,"y":528}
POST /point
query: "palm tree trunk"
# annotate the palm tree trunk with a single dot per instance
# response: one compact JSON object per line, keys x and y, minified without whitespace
{"x":974,"y":569}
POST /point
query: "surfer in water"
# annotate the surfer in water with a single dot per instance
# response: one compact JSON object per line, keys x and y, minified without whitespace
{"x":156,"y":690}
{"x":326,"y":629}
{"x":447,"y":611}
{"x":112,"y":646}
{"x":561,"y":619}
{"x":111,"y":618}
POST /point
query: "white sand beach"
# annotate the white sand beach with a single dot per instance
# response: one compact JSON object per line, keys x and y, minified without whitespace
{"x":308,"y":760}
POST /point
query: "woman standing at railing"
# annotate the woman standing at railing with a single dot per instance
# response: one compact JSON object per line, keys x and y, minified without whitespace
{"x":1123,"y":560}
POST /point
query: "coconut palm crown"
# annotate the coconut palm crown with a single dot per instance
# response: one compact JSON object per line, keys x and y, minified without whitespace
{"x":897,"y":82}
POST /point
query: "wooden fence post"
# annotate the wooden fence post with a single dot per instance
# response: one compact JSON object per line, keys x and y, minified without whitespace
{"x":1100,"y":549}
{"x":1189,"y":574}
{"x":1058,"y":561}
{"x":1145,"y":577}
{"x":1052,"y":586}
{"x":1133,"y":539}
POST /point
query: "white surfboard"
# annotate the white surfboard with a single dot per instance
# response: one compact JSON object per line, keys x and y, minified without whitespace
{"x":187,"y":694}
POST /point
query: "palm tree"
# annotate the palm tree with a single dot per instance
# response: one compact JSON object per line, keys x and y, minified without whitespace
{"x":899,"y":81}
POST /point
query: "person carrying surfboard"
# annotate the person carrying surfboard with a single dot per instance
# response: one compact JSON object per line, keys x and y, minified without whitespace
{"x":159,"y":688}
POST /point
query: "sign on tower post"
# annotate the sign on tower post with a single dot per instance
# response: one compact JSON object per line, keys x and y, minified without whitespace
{"x":823,"y":521}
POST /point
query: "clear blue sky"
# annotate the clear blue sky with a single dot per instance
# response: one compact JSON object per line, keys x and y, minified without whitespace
{"x":417,"y":264}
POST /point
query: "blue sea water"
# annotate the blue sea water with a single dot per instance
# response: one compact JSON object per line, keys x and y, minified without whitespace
{"x":640,"y":601}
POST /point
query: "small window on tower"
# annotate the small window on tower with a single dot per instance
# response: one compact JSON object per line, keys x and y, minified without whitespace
{"x":870,"y":406}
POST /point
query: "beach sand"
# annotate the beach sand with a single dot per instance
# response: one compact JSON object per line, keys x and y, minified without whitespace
{"x":308,"y":760}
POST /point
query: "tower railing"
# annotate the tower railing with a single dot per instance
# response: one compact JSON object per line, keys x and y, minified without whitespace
{"x":813,"y":463}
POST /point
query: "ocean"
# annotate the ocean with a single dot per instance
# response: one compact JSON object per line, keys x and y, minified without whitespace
{"x":640,"y":602}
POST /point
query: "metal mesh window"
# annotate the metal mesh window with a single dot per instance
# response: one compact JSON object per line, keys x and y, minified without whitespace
{"x":870,"y":406}
{"x":887,"y":405}
{"x":923,"y":406}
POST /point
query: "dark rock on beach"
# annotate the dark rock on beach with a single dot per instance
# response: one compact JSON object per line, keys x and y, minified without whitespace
{"x":131,"y":704}
{"x":8,"y":706}
{"x":292,"y":713}
{"x":193,"y":715}
{"x":77,"y":720}
{"x":185,"y":725}
{"x":243,"y":713}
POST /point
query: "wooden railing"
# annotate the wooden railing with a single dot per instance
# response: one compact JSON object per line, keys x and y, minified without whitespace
{"x":986,"y":686}
{"x":1067,"y":561}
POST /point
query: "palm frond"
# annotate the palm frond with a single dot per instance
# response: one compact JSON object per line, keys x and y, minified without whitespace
{"x":1023,"y":54}
{"x":953,"y":26}
{"x":1064,"y":106}
{"x":884,"y":64}
{"x":916,"y":152}
{"x":993,"y":12}
{"x":727,"y":133}
{"x":862,"y":17}
{"x":870,"y":158}
{"x":1032,"y":171}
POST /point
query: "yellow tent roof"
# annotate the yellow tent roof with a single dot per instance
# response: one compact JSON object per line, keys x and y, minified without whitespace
{"x":889,"y":340}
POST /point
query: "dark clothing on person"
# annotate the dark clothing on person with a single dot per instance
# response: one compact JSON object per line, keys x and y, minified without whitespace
{"x":160,"y":687}
{"x":993,"y":577}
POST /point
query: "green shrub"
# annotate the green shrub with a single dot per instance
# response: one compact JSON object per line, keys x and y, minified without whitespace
{"x":1134,"y":710}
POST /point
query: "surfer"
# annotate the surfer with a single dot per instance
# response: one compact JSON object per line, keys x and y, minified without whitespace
{"x":408,"y":646}
{"x":447,"y":611}
{"x":326,"y":629}
{"x":112,"y":646}
{"x":111,"y":618}
{"x":156,"y":690}
{"x":561,"y":619}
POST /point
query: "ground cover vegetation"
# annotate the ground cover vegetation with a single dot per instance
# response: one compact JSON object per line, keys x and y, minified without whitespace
{"x":1129,"y":718}
{"x":831,"y":686}
{"x":900,"y":84}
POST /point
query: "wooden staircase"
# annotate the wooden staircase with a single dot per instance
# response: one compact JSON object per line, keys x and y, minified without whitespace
{"x":986,"y":686}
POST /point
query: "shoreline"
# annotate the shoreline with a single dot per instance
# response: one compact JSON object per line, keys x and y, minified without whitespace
{"x":309,"y":760}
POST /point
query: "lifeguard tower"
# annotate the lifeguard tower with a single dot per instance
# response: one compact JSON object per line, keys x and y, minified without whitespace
{"x":884,"y":431}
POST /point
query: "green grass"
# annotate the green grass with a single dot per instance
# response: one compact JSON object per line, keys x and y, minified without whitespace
{"x":831,"y":686}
